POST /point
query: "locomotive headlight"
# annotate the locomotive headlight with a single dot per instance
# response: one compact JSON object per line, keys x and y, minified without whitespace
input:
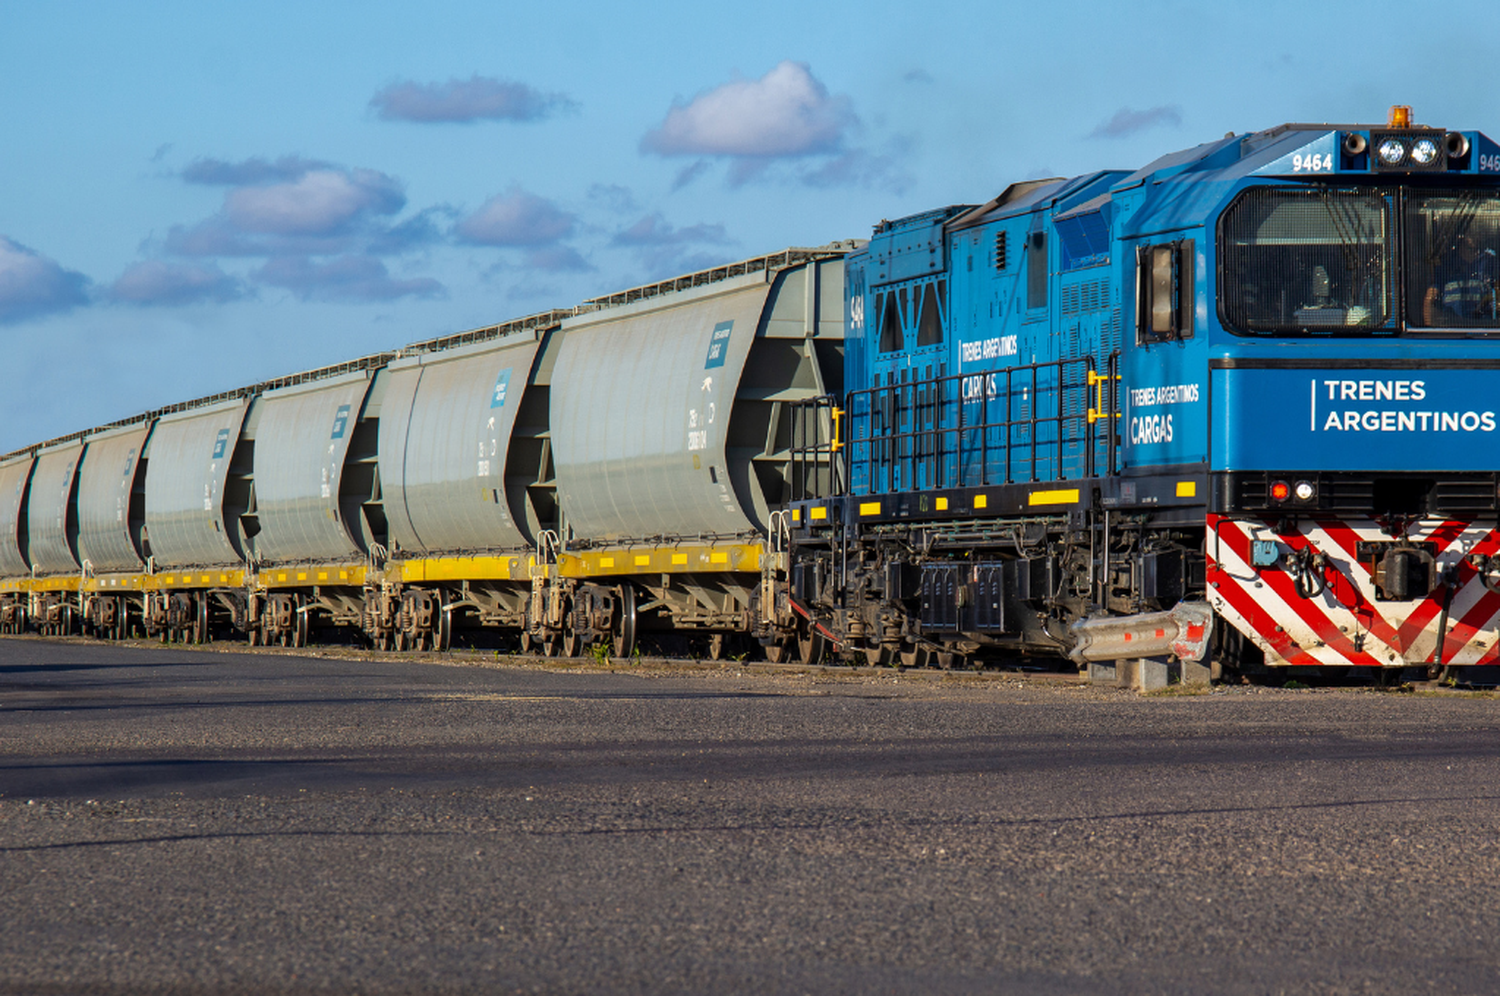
{"x":1424,"y":151}
{"x":1391,"y":151}
{"x":1304,"y":491}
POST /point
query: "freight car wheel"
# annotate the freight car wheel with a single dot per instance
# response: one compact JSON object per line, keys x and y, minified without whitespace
{"x":200,"y":620}
{"x":301,"y":624}
{"x":572,"y":643}
{"x":780,"y":651}
{"x":443,"y":640}
{"x":527,"y":643}
{"x":623,"y":642}
{"x":913,"y":655}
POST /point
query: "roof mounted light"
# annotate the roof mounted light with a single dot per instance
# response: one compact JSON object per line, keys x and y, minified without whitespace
{"x":1400,"y":116}
{"x":1424,"y":152}
{"x":1410,"y":150}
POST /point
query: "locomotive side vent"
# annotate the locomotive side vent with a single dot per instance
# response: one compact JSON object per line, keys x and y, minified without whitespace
{"x":1462,"y":497}
{"x":1000,"y":250}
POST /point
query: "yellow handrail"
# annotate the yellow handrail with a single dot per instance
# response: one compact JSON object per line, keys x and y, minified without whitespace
{"x":1097,"y":381}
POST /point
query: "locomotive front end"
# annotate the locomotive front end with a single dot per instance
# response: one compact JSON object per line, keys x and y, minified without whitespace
{"x":1355,"y":429}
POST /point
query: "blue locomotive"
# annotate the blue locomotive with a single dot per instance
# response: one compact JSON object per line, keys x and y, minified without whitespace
{"x":1257,"y":376}
{"x":1233,"y":408}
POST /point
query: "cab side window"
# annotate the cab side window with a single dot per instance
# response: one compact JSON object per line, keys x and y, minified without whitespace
{"x":1036,"y":270}
{"x":1164,"y":292}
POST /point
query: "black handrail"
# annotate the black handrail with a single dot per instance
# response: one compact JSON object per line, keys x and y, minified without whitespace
{"x":884,"y":435}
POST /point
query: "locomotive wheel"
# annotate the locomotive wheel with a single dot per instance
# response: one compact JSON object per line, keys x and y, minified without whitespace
{"x":572,"y":643}
{"x":913,"y":655}
{"x":623,"y":642}
{"x":881,"y":656}
{"x":551,"y":645}
{"x":254,"y":636}
{"x":780,"y":651}
{"x":810,"y":647}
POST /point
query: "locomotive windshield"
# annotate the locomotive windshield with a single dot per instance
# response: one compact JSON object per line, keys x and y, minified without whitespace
{"x":1453,"y":259}
{"x":1297,"y":259}
{"x":1324,"y":260}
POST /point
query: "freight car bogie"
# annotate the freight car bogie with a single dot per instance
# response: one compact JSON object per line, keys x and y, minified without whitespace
{"x":108,"y":617}
{"x":54,"y":614}
{"x":13,"y":617}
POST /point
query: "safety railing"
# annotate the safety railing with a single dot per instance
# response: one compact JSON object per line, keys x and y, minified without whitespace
{"x":1036,"y":422}
{"x":816,"y":466}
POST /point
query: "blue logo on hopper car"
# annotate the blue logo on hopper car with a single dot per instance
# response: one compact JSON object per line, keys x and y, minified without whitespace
{"x":502,"y":385}
{"x":718,"y":345}
{"x":340,"y":420}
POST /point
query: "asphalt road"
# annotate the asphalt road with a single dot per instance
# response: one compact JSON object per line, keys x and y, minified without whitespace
{"x":192,"y":822}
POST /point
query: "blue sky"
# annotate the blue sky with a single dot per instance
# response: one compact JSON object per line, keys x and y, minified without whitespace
{"x":198,"y":196}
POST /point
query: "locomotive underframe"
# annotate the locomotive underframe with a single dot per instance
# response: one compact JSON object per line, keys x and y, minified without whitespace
{"x":999,"y":587}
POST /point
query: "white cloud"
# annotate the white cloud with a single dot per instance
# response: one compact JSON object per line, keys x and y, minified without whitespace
{"x":473,"y":99}
{"x":516,"y":218}
{"x":320,"y":202}
{"x":1127,"y":122}
{"x":613,"y":197}
{"x":344,"y":278}
{"x":786,"y":112}
{"x":297,"y":207}
{"x":32,"y":285}
{"x":557,"y":259}
{"x":219,"y":173}
{"x":158,"y":282}
{"x":653,"y":230}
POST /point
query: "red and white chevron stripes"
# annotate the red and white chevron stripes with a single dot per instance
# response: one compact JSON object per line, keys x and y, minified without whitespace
{"x":1345,"y":624}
